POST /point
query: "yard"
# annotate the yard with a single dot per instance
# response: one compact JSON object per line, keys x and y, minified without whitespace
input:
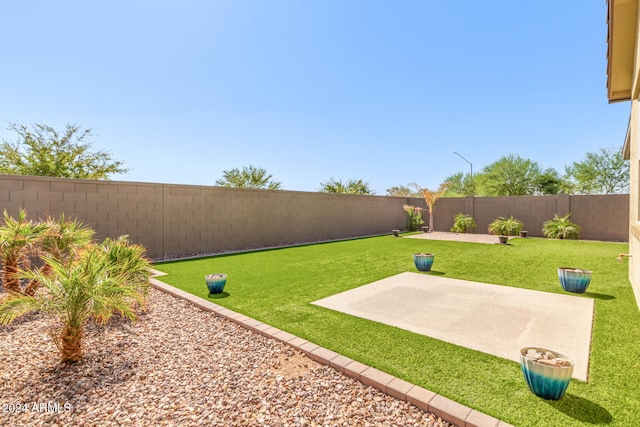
{"x":276,"y":287}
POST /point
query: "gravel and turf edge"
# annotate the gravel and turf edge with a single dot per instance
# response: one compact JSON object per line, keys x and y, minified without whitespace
{"x":444,"y":408}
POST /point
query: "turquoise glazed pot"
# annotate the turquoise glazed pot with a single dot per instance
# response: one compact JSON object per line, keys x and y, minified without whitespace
{"x":423,"y":261}
{"x":548,"y":382}
{"x":574,"y":280}
{"x":215,"y":282}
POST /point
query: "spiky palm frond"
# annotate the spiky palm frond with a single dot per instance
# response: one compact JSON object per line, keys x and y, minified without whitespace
{"x":62,"y":239}
{"x":16,"y":305}
{"x":65,"y":237}
{"x":130,"y":261}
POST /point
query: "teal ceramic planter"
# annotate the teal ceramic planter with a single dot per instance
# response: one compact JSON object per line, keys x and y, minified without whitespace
{"x":574,"y":280}
{"x":544,"y":380}
{"x":215,"y":282}
{"x":423,"y":261}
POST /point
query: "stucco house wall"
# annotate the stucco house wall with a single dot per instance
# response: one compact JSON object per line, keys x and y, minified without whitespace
{"x":623,"y":84}
{"x":633,"y":143}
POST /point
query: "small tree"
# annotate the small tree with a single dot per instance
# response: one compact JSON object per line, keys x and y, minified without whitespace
{"x":430,"y":198}
{"x":353,"y":186}
{"x":90,"y":287}
{"x":249,"y":177}
{"x":43,"y":151}
{"x":17,"y":240}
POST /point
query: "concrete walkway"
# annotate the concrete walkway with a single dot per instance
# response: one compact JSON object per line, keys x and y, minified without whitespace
{"x":498,"y":320}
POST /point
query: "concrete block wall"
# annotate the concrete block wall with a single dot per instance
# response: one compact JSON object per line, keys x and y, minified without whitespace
{"x":180,"y":220}
{"x":600,"y":217}
{"x":444,"y":211}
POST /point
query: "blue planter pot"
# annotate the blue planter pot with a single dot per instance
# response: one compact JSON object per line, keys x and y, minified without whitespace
{"x":548,"y":382}
{"x":423,"y":261}
{"x":574,"y":280}
{"x":215,"y":282}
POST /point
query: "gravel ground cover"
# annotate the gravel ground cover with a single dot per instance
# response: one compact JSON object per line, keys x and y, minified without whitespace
{"x":179,"y":365}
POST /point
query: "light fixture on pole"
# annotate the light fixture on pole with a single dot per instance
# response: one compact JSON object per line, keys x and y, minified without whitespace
{"x":471,"y":164}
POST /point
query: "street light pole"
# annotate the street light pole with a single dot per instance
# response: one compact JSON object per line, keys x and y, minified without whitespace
{"x":459,"y":155}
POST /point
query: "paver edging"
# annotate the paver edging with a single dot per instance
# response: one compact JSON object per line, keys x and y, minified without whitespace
{"x":420,"y":397}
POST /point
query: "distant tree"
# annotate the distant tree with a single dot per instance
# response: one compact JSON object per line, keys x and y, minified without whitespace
{"x":430,"y":198}
{"x":352,"y":186}
{"x":605,"y":172}
{"x":249,"y":177}
{"x":43,"y":151}
{"x":550,"y":182}
{"x":460,"y":184}
{"x":402,"y":191}
{"x":510,"y":176}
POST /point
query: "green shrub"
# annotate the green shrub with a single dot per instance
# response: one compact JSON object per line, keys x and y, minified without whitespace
{"x":463,"y":223}
{"x":414,"y":217}
{"x":561,"y":228}
{"x":505,"y":226}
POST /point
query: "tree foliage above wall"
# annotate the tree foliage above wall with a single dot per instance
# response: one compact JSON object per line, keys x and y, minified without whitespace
{"x":249,"y":177}
{"x":604,"y":172}
{"x":43,"y":151}
{"x":352,"y":186}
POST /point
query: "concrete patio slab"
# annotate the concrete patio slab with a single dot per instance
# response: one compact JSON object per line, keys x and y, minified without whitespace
{"x":456,"y":237}
{"x":499,"y":320}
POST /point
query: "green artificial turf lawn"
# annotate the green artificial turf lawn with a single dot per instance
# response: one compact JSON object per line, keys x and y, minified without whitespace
{"x":277,"y":286}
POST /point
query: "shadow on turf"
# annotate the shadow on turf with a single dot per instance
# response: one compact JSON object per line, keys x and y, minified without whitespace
{"x":594,"y":295}
{"x":433,"y":273}
{"x":581,"y":409}
{"x":221,"y":295}
{"x":599,"y":296}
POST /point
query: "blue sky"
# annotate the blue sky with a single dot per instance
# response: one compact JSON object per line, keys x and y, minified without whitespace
{"x":379,"y":90}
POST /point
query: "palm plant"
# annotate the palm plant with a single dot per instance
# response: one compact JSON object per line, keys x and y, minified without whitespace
{"x":505,"y":226}
{"x":62,"y":239}
{"x":89,"y":287}
{"x":462,"y":223}
{"x":17,"y":239}
{"x":561,"y":228}
{"x":130,"y":261}
{"x":430,"y":198}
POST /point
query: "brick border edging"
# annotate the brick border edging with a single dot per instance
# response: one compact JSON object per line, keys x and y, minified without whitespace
{"x":422,"y":398}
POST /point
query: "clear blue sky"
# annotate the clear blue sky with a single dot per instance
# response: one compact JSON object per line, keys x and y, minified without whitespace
{"x":385,"y":91}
